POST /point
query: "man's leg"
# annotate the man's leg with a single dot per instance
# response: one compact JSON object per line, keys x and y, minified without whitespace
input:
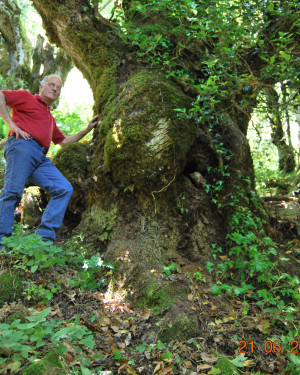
{"x":48,"y":177}
{"x":21,"y":159}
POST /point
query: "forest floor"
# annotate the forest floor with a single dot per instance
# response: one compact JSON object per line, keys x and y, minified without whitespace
{"x":123,"y":343}
{"x":119,"y":330}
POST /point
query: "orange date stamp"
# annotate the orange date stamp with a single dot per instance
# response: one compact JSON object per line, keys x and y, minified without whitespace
{"x":269,"y":347}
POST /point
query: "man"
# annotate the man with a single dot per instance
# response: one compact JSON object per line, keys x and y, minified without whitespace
{"x":32,"y":128}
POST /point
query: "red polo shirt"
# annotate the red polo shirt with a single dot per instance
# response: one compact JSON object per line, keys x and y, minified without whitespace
{"x":32,"y":114}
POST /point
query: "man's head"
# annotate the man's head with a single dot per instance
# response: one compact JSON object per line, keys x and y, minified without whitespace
{"x":50,"y":88}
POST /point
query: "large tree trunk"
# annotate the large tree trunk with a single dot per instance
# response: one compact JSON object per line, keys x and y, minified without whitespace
{"x":149,"y":186}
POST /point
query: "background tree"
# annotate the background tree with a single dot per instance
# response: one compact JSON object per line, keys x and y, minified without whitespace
{"x":175,"y":84}
{"x":277,"y":112}
{"x":26,"y":63}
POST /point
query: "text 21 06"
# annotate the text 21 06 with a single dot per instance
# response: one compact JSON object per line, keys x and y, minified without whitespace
{"x":269,"y":347}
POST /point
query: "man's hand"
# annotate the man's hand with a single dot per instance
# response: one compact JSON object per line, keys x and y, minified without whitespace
{"x":92,"y":123}
{"x":7,"y":118}
{"x":81,"y":134}
{"x":18,"y":132}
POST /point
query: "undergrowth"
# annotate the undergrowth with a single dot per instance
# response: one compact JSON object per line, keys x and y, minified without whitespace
{"x":23,"y":338}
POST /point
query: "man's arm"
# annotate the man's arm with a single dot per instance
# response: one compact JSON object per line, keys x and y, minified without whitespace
{"x":76,"y":137}
{"x":6,"y":117}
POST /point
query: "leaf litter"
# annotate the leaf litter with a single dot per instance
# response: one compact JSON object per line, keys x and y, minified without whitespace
{"x":121,"y":346}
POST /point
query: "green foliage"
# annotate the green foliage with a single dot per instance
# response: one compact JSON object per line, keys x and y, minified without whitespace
{"x":249,"y":262}
{"x":11,"y":81}
{"x":180,"y":203}
{"x":169,"y":270}
{"x":32,"y":253}
{"x":71,"y":122}
{"x":218,"y":34}
{"x":23,"y":337}
{"x":199,"y":277}
{"x":24,"y":340}
{"x":89,"y":278}
{"x":40,"y":292}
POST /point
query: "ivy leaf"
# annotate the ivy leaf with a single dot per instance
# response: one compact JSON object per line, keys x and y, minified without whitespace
{"x":89,"y":342}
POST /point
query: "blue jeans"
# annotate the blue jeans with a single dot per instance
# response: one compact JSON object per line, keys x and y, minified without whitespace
{"x":26,"y":159}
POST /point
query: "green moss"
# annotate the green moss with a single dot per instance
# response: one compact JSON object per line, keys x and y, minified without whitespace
{"x":98,"y":223}
{"x":181,"y":329}
{"x":145,"y":142}
{"x":104,"y":86}
{"x":49,"y":364}
{"x":11,"y":288}
{"x":226,"y":367}
{"x":158,"y":298}
{"x":71,"y":160}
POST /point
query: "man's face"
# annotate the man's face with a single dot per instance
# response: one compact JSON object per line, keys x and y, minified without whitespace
{"x":50,"y":91}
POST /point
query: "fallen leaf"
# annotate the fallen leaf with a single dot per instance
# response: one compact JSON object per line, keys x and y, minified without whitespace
{"x":115,"y":329}
{"x":158,"y":367}
{"x":188,"y":364}
{"x":203,"y":366}
{"x":249,"y":363}
{"x":223,"y":257}
{"x":122,"y":368}
{"x":214,"y":309}
{"x":68,"y":357}
{"x":264,"y":325}
{"x":166,"y":371}
{"x":218,"y":339}
{"x":121,"y":345}
{"x":127,"y":309}
{"x":146,"y":315}
{"x":195,"y":356}
{"x":209,"y":358}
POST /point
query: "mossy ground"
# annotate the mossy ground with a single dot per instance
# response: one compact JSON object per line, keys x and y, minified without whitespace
{"x":50,"y":364}
{"x":11,"y":287}
{"x":181,"y":329}
{"x":226,"y":367}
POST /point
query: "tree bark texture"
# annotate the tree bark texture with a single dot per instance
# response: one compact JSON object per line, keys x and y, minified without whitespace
{"x":14,"y":38}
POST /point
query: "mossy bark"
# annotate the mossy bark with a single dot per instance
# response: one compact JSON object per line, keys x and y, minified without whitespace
{"x":73,"y":164}
{"x":32,"y":206}
{"x":17,"y":58}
